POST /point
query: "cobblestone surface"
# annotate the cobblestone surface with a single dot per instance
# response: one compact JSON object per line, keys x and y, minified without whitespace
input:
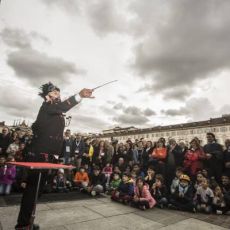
{"x":78,"y":211}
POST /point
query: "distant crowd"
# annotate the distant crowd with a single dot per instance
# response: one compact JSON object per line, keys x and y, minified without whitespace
{"x":141,"y":173}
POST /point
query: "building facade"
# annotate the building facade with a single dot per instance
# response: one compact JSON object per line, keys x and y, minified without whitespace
{"x":180,"y":132}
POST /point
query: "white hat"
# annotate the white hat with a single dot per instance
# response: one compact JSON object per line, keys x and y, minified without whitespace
{"x":61,"y":171}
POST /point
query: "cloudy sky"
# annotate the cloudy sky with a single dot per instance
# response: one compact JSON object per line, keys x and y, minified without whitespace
{"x":171,"y":59}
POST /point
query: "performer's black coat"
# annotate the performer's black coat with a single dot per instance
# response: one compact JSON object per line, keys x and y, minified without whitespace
{"x":49,"y":126}
{"x":48,"y":138}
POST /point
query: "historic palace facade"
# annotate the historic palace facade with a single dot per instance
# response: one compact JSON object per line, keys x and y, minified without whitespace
{"x":180,"y":132}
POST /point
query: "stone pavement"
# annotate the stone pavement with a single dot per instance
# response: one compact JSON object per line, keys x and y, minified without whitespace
{"x":101,"y":213}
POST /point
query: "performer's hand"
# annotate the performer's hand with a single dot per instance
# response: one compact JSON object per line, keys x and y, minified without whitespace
{"x":23,"y":185}
{"x":86,"y":93}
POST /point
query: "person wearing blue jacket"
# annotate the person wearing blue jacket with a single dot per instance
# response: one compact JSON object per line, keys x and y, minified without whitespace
{"x":125,"y":191}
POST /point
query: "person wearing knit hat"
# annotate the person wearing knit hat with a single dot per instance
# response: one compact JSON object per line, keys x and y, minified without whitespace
{"x":60,"y":182}
{"x":61,"y":171}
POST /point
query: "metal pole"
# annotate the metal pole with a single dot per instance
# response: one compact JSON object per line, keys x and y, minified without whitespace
{"x":35,"y":201}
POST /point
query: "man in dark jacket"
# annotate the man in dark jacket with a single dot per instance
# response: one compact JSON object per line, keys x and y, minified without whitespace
{"x":47,"y":142}
{"x":67,"y":147}
{"x":214,"y":155}
{"x":5,"y":140}
{"x":78,"y":150}
{"x":97,"y":182}
{"x":227,"y":157}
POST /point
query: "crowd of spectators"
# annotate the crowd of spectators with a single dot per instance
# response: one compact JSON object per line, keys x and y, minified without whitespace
{"x":141,"y":173}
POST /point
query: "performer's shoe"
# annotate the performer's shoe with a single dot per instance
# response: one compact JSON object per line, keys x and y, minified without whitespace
{"x":35,"y":227}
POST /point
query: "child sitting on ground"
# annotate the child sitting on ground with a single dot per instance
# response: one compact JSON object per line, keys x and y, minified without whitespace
{"x":182,"y":198}
{"x":59,"y":182}
{"x":204,"y":197}
{"x":97,"y":182}
{"x":159,"y":191}
{"x":199,"y":179}
{"x":81,"y":179}
{"x":225,"y":183}
{"x":107,"y":171}
{"x":218,"y":203}
{"x":133,"y":177}
{"x":124,"y":192}
{"x":116,"y":169}
{"x":138,"y":171}
{"x":142,"y":196}
{"x":114,"y":183}
{"x":150,"y":178}
{"x":176,"y":180}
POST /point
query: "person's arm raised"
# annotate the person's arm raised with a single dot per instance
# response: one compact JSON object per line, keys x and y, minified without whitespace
{"x":66,"y":105}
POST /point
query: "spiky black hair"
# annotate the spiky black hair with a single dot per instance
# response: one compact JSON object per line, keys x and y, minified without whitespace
{"x":47,"y":88}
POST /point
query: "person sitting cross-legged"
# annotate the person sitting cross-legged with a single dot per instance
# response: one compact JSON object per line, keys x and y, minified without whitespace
{"x":142,"y":197}
{"x":81,"y":179}
{"x":97,"y":182}
{"x":124,"y":192}
{"x":182,"y":197}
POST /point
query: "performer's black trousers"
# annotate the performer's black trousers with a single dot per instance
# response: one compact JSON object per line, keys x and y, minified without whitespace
{"x":28,"y":198}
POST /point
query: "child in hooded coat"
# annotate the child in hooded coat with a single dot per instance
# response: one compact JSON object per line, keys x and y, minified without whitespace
{"x":142,"y":196}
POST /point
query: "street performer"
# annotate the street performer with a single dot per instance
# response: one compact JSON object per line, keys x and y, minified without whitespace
{"x":46,"y":144}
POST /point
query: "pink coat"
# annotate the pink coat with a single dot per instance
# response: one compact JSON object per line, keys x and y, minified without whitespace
{"x":145,"y":195}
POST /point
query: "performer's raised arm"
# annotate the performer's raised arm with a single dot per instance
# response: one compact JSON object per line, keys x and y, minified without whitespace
{"x":53,"y":104}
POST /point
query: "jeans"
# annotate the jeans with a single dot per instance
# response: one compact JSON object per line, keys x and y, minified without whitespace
{"x":98,"y":188}
{"x":5,"y":189}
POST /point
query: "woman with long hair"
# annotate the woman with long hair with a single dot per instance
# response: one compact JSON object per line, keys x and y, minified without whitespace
{"x":194,"y":158}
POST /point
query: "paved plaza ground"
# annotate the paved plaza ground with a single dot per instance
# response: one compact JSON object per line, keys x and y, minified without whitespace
{"x":78,"y":211}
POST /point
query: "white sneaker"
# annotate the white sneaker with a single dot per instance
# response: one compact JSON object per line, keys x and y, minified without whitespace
{"x":219,"y":212}
{"x":93,"y":193}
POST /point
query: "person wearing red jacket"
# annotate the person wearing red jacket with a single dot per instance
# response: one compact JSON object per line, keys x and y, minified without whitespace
{"x":193,"y":158}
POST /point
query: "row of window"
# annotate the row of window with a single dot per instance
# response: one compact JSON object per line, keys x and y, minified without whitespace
{"x":180,"y":133}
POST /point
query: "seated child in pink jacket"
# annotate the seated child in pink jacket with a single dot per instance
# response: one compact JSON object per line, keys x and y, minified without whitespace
{"x":142,"y":197}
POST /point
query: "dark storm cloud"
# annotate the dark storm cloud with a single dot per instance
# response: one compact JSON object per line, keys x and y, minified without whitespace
{"x":118,"y":106}
{"x":70,"y":6}
{"x":87,"y":123}
{"x":15,"y":38}
{"x":130,"y":119}
{"x":108,"y":111}
{"x":105,"y":16}
{"x":176,"y":112}
{"x":122,"y":97}
{"x":36,"y":67}
{"x":177,"y":93}
{"x":132,"y":110}
{"x":15,"y":105}
{"x":149,"y":112}
{"x":191,"y":44}
{"x":111,"y":102}
{"x":178,"y":42}
{"x":132,"y":115}
{"x":32,"y":65}
{"x":196,"y":109}
{"x":18,"y":38}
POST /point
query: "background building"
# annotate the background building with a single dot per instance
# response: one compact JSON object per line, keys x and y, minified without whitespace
{"x":181,"y":132}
